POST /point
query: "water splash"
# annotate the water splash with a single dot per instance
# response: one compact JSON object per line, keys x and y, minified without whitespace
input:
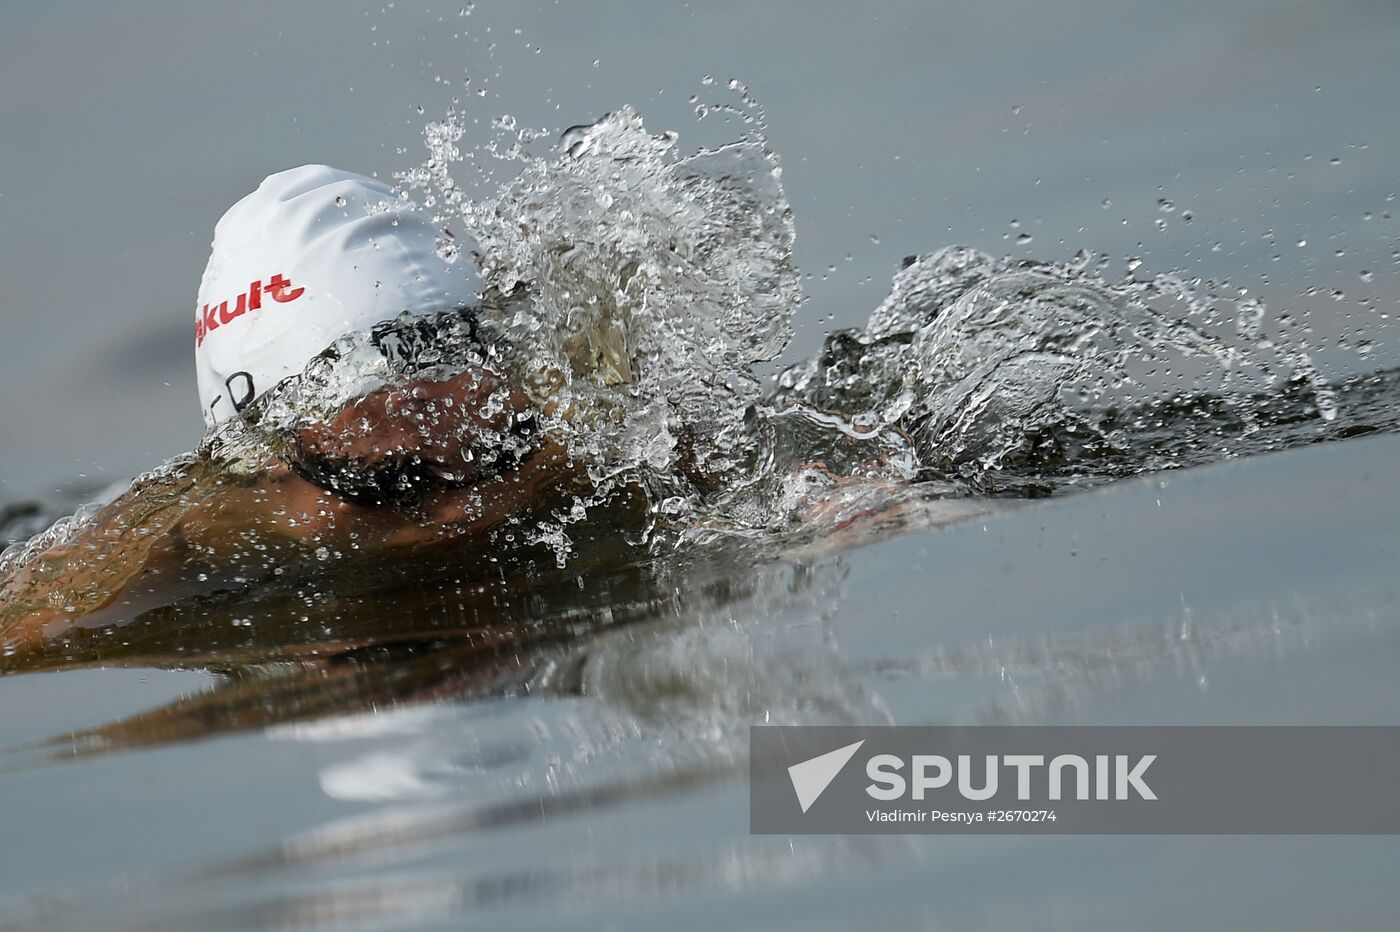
{"x":633,"y":292}
{"x":638,"y":288}
{"x":1011,"y":374}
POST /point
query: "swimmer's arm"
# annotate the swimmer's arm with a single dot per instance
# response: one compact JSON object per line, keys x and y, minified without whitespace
{"x":175,"y":522}
{"x":88,"y":570}
{"x":197,"y":517}
{"x":196,"y":513}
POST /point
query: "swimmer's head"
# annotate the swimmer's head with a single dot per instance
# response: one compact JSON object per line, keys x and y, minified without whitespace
{"x":312,"y":255}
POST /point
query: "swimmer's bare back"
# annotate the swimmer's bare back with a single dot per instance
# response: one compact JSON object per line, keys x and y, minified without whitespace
{"x":175,"y":526}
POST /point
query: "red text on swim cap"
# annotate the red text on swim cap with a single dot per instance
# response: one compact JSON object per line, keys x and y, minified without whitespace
{"x":278,"y":287}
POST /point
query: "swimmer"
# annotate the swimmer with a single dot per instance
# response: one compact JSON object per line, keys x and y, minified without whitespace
{"x":312,"y":255}
{"x":423,"y":465}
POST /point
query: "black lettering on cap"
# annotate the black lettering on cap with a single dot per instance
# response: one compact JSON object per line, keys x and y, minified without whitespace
{"x":242,"y":396}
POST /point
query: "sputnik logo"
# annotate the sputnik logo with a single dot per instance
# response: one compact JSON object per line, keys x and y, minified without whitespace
{"x":811,"y":777}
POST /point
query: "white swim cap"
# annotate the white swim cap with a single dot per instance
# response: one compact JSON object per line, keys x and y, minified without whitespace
{"x":313,"y":254}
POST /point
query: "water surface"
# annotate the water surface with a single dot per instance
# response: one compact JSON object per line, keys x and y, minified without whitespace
{"x":601,"y":777}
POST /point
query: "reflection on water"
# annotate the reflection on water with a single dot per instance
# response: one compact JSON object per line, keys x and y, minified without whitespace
{"x":549,"y":749}
{"x":454,"y":634}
